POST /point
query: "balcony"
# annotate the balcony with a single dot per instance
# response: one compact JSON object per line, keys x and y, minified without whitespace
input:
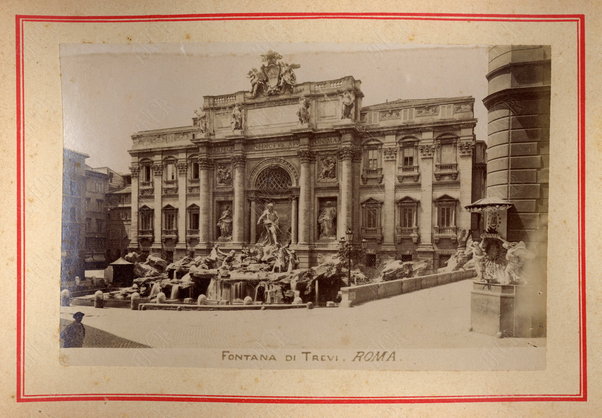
{"x":445,"y":232}
{"x":192,"y":232}
{"x":170,"y":191}
{"x":370,"y":233}
{"x":169,"y":233}
{"x":409,"y":172}
{"x":148,"y":192}
{"x":372,"y":175}
{"x":410,"y":232}
{"x":447,"y":171}
{"x":145,"y":233}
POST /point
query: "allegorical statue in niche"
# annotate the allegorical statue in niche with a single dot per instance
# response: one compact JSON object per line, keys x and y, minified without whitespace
{"x":200,"y":120}
{"x":303,"y":111}
{"x":327,"y":219}
{"x":269,"y":219}
{"x":224,"y":224}
{"x":236,"y":121}
{"x":224,"y":174}
{"x":348,"y":103}
{"x":329,"y":168}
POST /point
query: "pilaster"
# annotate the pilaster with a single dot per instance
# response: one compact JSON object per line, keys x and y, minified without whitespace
{"x":205,"y":165}
{"x":238,"y":218}
{"x":135,"y":170}
{"x":305,"y":191}
{"x":389,"y":177}
{"x":158,"y":196}
{"x":182,"y":169}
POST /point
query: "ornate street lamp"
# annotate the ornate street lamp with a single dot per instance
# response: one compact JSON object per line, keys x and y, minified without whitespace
{"x":348,"y":252}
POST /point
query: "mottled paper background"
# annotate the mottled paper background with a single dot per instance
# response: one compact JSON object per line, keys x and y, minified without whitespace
{"x":43,"y":151}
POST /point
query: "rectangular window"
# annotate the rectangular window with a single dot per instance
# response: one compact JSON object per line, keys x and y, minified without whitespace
{"x":448,"y":154}
{"x":170,"y":171}
{"x":147,"y":173}
{"x":373,"y":155}
{"x":193,"y":222}
{"x":371,"y":217}
{"x":99,"y":205}
{"x":407,"y":217}
{"x":146,"y":220}
{"x":446,"y":218}
{"x":194,"y":174}
{"x":408,"y":157}
{"x":88,"y":224}
{"x":169,"y":220}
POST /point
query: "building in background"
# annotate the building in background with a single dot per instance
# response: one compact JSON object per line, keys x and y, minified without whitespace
{"x":118,"y":217}
{"x":89,"y":196}
{"x":97,"y":184}
{"x":397,"y":174}
{"x":73,"y":213}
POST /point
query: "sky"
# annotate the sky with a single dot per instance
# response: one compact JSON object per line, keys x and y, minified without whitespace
{"x":109,"y":92}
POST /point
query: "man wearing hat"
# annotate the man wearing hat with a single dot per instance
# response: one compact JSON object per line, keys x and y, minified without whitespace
{"x":74,"y":333}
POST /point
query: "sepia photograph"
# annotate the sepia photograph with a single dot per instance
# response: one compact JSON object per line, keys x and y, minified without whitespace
{"x":333,"y":206}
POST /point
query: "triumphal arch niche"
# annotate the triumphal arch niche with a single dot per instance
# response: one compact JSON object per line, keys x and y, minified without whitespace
{"x":303,"y":164}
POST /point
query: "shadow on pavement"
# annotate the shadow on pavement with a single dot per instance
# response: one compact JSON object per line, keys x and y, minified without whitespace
{"x":96,"y":338}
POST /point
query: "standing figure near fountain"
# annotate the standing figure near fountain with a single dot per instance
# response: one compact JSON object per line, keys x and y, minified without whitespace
{"x":270,"y":221}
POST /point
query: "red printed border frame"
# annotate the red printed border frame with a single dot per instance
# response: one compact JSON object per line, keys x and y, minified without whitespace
{"x":21,"y":396}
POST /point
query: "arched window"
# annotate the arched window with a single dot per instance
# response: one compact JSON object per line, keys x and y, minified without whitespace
{"x":274,"y":179}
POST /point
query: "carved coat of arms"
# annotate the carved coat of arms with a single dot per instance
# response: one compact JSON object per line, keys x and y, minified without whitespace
{"x":274,"y":76}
